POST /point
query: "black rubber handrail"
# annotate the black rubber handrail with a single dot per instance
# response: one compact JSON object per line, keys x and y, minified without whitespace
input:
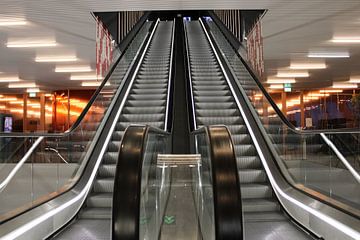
{"x":283,"y":118}
{"x":226,"y":183}
{"x":93,"y":97}
{"x":128,"y":177}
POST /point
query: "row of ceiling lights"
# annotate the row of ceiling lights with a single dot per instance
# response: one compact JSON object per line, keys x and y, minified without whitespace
{"x":16,"y":82}
{"x":301,"y":70}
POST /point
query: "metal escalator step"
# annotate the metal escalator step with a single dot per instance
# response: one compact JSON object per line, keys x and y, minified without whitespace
{"x":212,"y":93}
{"x":149,"y":91}
{"x":110,"y":158}
{"x":104,"y":185}
{"x":209,"y":88}
{"x":252,"y":176}
{"x":245,"y":150}
{"x":96,"y":213}
{"x":147,"y":96}
{"x":260,"y":205}
{"x":244,"y":162}
{"x":214,"y":105}
{"x":144,"y":110}
{"x":241,"y":139}
{"x":219,"y":120}
{"x":144,"y":103}
{"x":150,"y":85}
{"x":213,"y":98}
{"x":255,"y":190}
{"x":217,"y":112}
{"x":107,"y":170}
{"x":117,"y":135}
{"x":100,"y":200}
{"x":124,"y":125}
{"x":114,"y":146}
{"x":237,"y":129}
{"x":150,"y":117}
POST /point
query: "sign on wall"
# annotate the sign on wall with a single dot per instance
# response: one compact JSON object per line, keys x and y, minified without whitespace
{"x":255,"y":49}
{"x":104,"y":50}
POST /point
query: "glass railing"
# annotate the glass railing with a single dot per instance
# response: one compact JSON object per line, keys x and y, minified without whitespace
{"x":187,"y":196}
{"x":306,"y":160}
{"x":56,"y":163}
{"x":349,"y":146}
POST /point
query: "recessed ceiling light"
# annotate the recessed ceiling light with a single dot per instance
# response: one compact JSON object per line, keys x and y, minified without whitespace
{"x":22,"y":85}
{"x":31,"y":43}
{"x":328,"y":55}
{"x":280,"y":80}
{"x":93,"y":84}
{"x":307,"y":66}
{"x":84,"y":77}
{"x":60,"y":69}
{"x":331,"y":91}
{"x":33,"y":90}
{"x":276,"y":86}
{"x":8,"y":21}
{"x":354,"y":79}
{"x":9,"y":79}
{"x":344,"y":85}
{"x":56,"y":59}
{"x":345,"y":40}
{"x":290,"y":74}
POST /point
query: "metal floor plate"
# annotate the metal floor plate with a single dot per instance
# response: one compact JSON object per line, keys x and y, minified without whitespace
{"x":86,"y":229}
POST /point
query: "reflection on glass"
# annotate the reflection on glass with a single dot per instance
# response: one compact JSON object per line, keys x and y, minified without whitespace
{"x":57,"y":163}
{"x":306,"y":160}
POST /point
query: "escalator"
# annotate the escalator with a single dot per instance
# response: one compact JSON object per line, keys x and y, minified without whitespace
{"x":125,"y":177}
{"x":215,"y":104}
{"x":145,"y":105}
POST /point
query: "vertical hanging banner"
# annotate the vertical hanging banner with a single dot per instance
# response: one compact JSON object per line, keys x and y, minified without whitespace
{"x":255,"y":49}
{"x":104,"y":49}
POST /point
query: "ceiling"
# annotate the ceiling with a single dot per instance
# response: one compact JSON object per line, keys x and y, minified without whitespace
{"x":290,"y":30}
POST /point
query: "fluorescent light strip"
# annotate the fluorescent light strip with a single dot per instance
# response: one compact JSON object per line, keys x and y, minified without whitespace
{"x":30,"y":44}
{"x":307,"y":66}
{"x":292,"y":74}
{"x":56,"y":59}
{"x":73,"y":69}
{"x":280,"y":80}
{"x":344,"y":85}
{"x":329,"y":55}
{"x":9,"y":79}
{"x":354,"y":80}
{"x":93,"y":84}
{"x":346,"y":40}
{"x":331,"y":91}
{"x":84,"y":77}
{"x":12,"y":21}
{"x":33,"y":90}
{"x":276,"y":86}
{"x":22,"y":85}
